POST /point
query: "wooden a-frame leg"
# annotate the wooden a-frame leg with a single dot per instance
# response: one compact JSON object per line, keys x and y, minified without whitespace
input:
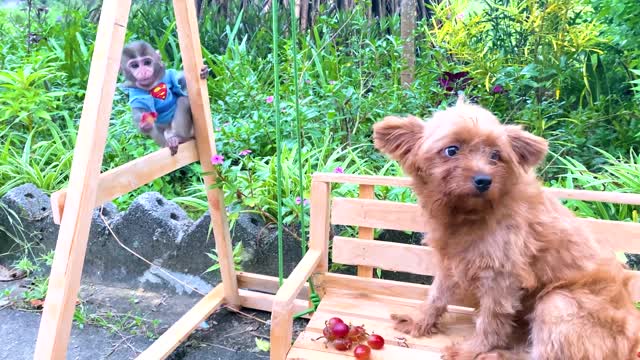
{"x":187,"y":26}
{"x":64,"y":281}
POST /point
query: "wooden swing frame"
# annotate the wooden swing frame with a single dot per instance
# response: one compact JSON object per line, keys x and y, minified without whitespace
{"x":89,"y":188}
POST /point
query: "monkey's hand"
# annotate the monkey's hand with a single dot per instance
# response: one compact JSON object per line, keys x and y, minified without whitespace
{"x":147,"y":119}
{"x":172,"y":144}
{"x":204,"y":72}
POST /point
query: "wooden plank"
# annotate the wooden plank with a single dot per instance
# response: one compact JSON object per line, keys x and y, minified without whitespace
{"x":132,"y":175}
{"x":264,"y":302}
{"x":374,"y":312}
{"x":366,"y":233}
{"x":362,"y":179}
{"x":373,"y":286}
{"x":306,"y":354}
{"x":282,"y":313}
{"x":378,"y":214}
{"x":319,"y":227}
{"x":179,"y":331}
{"x":621,"y":236}
{"x":306,"y":347}
{"x":64,"y":281}
{"x":265,"y":283}
{"x":598,"y":196}
{"x":189,"y":38}
{"x":392,"y":256}
{"x":585,"y":195}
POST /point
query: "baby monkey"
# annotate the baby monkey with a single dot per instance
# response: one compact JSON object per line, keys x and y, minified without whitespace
{"x":157,"y":97}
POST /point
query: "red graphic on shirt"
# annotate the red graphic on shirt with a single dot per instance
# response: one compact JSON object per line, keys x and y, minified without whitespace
{"x":160,"y":91}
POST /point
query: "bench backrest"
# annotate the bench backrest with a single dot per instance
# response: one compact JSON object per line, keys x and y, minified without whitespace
{"x":368,"y":213}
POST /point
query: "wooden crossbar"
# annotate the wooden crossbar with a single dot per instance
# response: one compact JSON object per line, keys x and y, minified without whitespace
{"x":385,"y":255}
{"x":132,"y":175}
{"x":170,"y":339}
{"x":379,"y":214}
{"x":569,"y":194}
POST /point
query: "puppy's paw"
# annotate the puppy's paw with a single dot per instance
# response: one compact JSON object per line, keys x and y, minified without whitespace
{"x":406,"y":324}
{"x":456,"y":352}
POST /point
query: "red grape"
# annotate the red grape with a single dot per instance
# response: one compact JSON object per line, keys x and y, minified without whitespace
{"x":375,"y":341}
{"x":340,"y":330}
{"x":342,"y":344}
{"x":333,"y":321}
{"x":362,"y":352}
{"x":356,"y":333}
{"x":328,"y":334}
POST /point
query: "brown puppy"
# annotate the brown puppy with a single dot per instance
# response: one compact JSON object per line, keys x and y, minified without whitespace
{"x":498,"y":235}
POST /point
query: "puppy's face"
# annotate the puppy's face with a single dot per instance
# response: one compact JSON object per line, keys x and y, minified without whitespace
{"x":462,"y":158}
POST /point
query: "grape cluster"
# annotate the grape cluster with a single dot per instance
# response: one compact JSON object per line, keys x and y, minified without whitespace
{"x":343,"y":336}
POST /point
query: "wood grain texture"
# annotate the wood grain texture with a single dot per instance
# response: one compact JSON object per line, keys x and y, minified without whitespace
{"x":178,"y":332}
{"x":386,"y":255}
{"x":189,"y":38}
{"x":132,"y":175}
{"x":365,"y":233}
{"x":66,"y":270}
{"x":265,"y":283}
{"x":379,"y":214}
{"x":283,"y":305}
{"x":585,"y":195}
{"x":264,"y":302}
{"x":374,"y":313}
{"x":319,"y":222}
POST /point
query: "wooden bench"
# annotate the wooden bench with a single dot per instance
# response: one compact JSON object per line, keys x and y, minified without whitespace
{"x":366,"y":300}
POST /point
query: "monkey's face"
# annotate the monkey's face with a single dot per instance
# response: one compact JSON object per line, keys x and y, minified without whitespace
{"x":142,"y":70}
{"x":141,"y":64}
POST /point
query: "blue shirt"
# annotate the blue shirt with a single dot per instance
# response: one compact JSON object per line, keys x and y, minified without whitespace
{"x":162,"y":98}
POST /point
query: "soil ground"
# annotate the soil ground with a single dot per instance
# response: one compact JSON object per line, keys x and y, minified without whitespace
{"x":118,"y":323}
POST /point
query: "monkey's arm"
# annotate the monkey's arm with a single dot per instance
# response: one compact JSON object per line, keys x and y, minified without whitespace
{"x":141,"y":102}
{"x":181,"y":81}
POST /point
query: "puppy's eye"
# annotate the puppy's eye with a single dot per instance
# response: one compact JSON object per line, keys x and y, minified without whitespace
{"x":451,"y":151}
{"x":495,"y":155}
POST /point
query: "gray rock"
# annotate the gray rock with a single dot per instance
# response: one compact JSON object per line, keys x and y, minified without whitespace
{"x":191,"y":256}
{"x":152,"y":227}
{"x":260,"y":243}
{"x":25,"y":218}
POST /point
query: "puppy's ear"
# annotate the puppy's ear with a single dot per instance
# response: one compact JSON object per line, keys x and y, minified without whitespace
{"x":397,"y":136}
{"x":529,"y":149}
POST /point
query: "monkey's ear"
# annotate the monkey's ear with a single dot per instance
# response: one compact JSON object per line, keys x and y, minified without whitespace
{"x":528,"y":148}
{"x":397,"y":137}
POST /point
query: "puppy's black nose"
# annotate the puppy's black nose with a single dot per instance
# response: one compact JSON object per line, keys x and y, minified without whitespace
{"x":482,"y":182}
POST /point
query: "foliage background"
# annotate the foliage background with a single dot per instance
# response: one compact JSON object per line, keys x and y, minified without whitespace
{"x":567,"y":70}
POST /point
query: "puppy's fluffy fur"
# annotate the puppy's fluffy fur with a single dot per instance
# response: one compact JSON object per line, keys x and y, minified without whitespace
{"x":519,"y":251}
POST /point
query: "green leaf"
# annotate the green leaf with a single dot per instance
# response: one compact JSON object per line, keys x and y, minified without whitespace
{"x":263,"y":345}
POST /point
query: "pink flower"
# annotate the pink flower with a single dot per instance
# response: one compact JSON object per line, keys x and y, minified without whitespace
{"x":218,"y":129}
{"x":460,"y":16}
{"x":339,"y":170}
{"x":498,"y":89}
{"x":217,"y":159}
{"x":245,"y":152}
{"x":332,"y":82}
{"x":269,"y":99}
{"x":299,"y":200}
